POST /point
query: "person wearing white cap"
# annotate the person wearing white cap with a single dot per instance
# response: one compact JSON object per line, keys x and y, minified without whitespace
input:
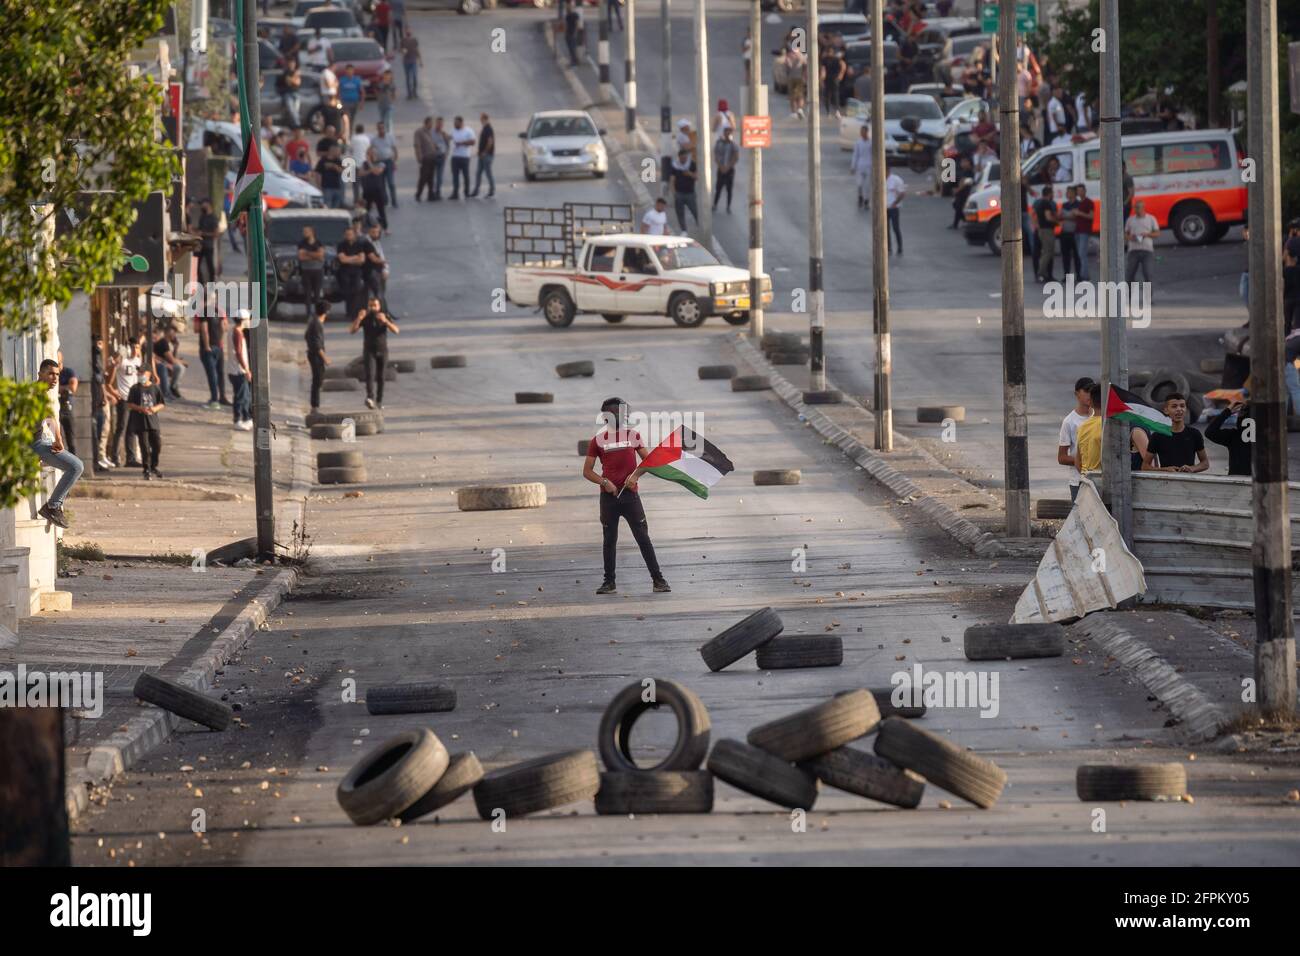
{"x":241,"y":379}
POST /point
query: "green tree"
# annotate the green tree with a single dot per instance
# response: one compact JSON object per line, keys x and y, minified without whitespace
{"x":71,"y":121}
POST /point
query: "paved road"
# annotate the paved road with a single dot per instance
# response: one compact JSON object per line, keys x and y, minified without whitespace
{"x":945,"y":294}
{"x":403,"y":589}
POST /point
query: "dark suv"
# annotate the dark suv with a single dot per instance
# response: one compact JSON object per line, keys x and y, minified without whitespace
{"x":283,"y":231}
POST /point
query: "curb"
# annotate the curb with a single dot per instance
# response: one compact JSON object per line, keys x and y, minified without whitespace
{"x":1202,"y":718}
{"x":983,"y":543}
{"x":143,"y":733}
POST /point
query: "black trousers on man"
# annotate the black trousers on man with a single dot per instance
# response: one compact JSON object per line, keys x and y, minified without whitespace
{"x":726,"y":179}
{"x":375,"y":363}
{"x":627,"y":506}
{"x":317,"y":377}
{"x":150,"y":440}
{"x":425,"y":180}
{"x":312,"y":280}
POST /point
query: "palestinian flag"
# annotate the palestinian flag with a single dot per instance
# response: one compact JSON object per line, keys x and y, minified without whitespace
{"x":1128,"y":407}
{"x":686,"y":458}
{"x":248,"y":185}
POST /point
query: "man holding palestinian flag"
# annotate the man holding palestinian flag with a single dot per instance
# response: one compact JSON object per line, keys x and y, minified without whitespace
{"x":1172,"y":444}
{"x":683,"y":457}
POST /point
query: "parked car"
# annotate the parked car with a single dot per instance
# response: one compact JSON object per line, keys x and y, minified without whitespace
{"x":1189,"y":181}
{"x":930,"y":123}
{"x":303,"y":7}
{"x":332,"y":22}
{"x":364,"y":55}
{"x":309,"y":100}
{"x":847,"y":27}
{"x":283,"y":230}
{"x":280,"y":188}
{"x":274,"y":27}
{"x":563,"y":141}
{"x":946,"y":101}
{"x":941,"y":31}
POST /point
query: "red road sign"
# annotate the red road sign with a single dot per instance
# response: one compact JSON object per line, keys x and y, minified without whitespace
{"x":756,"y":131}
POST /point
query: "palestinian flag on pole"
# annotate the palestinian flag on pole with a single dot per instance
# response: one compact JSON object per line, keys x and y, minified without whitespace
{"x":248,"y":185}
{"x":686,"y":458}
{"x":1128,"y":407}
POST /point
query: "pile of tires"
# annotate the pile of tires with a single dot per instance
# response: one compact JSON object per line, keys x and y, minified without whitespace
{"x":365,"y":421}
{"x":340,"y":468}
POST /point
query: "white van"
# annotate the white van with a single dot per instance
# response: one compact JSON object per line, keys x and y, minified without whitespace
{"x":1189,"y":180}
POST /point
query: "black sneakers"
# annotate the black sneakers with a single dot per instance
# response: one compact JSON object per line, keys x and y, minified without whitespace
{"x":607,"y":588}
{"x":53,"y":515}
{"x":661,"y":587}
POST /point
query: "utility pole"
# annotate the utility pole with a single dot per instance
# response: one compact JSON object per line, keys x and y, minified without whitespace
{"x":883,"y":399}
{"x":816,"y":303}
{"x":666,"y":97}
{"x":1213,"y":74}
{"x":263,"y":492}
{"x":602,"y":51}
{"x":1115,"y":462}
{"x":758,"y":107}
{"x":703,"y":133}
{"x":1015,"y":428}
{"x":1275,"y":676}
{"x":629,"y":64}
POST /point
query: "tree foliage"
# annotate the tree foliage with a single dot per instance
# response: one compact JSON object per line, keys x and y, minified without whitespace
{"x":71,"y":120}
{"x":22,"y":406}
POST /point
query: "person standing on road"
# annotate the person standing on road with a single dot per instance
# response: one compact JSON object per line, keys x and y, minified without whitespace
{"x":1140,"y":230}
{"x":1083,"y":213}
{"x":352,"y":93}
{"x":329,"y":177}
{"x":1068,"y":226}
{"x":49,"y":448}
{"x":860,"y":165}
{"x":241,"y":380}
{"x":613,"y":8}
{"x":723,"y":119}
{"x":145,"y":402}
{"x":316,"y":357}
{"x":1045,"y":220}
{"x":425,"y":151}
{"x":572,"y":30}
{"x":463,"y":142}
{"x":288,"y":83}
{"x":655,"y":220}
{"x":684,"y":175}
{"x":1087,"y":454}
{"x":207,"y":230}
{"x":212,"y":334}
{"x":124,"y":375}
{"x":385,"y":146}
{"x":376,"y":269}
{"x":796,"y":65}
{"x":1184,"y":450}
{"x":386,"y":98}
{"x":441,"y":148}
{"x":311,"y":266}
{"x":374,"y":192}
{"x":1067,"y":445}
{"x":727,"y":154}
{"x":68,"y":384}
{"x":375,"y":326}
{"x":895,"y":192}
{"x":619,"y":449}
{"x":487,"y":150}
{"x":99,"y":405}
{"x":411,"y":63}
{"x":318,"y":56}
{"x":359,"y":152}
{"x":349,"y":264}
{"x":382,"y":18}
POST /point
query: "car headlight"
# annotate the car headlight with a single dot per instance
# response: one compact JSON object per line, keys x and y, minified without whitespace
{"x":536,"y":151}
{"x":994,"y":203}
{"x":593,"y":148}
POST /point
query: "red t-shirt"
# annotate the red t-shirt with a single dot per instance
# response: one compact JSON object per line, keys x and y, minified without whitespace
{"x":617,"y":454}
{"x":1085,"y":207}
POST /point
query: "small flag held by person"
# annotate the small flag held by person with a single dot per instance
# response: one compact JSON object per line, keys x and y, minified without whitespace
{"x":689,"y":460}
{"x":1128,"y":407}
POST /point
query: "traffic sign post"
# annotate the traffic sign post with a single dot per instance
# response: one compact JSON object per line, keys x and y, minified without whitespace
{"x":1026,"y":17}
{"x":755,"y":132}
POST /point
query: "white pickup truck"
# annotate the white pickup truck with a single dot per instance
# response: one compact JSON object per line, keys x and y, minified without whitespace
{"x":617,"y":274}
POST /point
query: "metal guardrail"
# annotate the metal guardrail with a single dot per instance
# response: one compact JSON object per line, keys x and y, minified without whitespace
{"x":1193,"y":535}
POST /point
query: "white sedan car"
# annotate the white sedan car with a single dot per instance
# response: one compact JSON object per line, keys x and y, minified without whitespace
{"x":897,"y":107}
{"x":563,"y":141}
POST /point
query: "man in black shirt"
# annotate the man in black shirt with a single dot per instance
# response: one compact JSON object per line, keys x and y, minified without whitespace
{"x":311,"y":267}
{"x":208,"y":225}
{"x":375,"y":326}
{"x":98,"y":404}
{"x":1182,"y":451}
{"x":1045,"y":220}
{"x":684,"y":174}
{"x":145,"y":401}
{"x":487,"y":150}
{"x":68,"y":383}
{"x":1226,"y":430}
{"x":350,"y":263}
{"x":329,"y":176}
{"x":316,"y":356}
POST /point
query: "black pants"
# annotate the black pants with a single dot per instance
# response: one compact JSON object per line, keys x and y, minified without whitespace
{"x":317,"y":376}
{"x":206,"y":259}
{"x":725,"y":181}
{"x":425,"y":182}
{"x":311,"y":288}
{"x":892,"y":223}
{"x":628,"y":506}
{"x":375,"y":362}
{"x":380,"y":205}
{"x":150,"y":440}
{"x":1069,"y":257}
{"x":459,"y":170}
{"x":353,"y":290}
{"x":65,"y":425}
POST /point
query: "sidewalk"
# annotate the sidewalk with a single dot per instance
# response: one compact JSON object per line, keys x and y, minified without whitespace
{"x":144,"y":597}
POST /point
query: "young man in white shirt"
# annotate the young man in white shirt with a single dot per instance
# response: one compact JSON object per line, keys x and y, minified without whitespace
{"x":463,"y":141}
{"x":895,"y":190}
{"x":1068,"y":442}
{"x":358,"y":149}
{"x":655,"y":220}
{"x":1140,"y":232}
{"x":1057,"y":121}
{"x":319,"y":54}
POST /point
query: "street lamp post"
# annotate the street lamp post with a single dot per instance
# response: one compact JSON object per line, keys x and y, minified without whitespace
{"x":883,"y":400}
{"x":816,"y":297}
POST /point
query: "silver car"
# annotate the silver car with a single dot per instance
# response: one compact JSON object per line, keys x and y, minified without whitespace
{"x":563,"y":141}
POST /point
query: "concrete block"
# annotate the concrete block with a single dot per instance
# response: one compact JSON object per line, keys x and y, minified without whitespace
{"x":56,"y":601}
